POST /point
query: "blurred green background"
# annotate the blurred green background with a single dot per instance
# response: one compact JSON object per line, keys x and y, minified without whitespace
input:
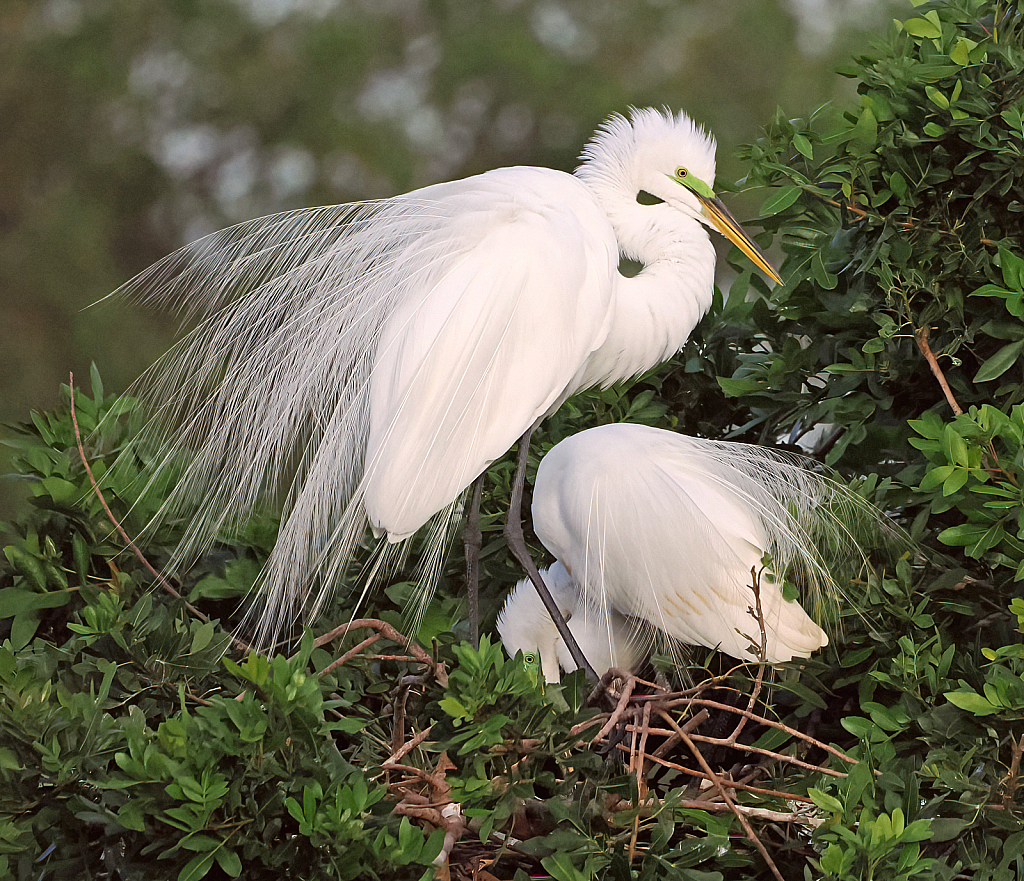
{"x":129,"y":127}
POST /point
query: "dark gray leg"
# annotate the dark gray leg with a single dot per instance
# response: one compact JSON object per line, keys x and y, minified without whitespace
{"x":472,"y":538}
{"x":517,"y":544}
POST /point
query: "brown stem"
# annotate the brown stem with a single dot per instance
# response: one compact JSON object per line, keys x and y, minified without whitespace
{"x":351,"y":653}
{"x":388,"y":632}
{"x":921,"y":335}
{"x":620,"y":707}
{"x":720,"y":786}
{"x":771,"y":723}
{"x":1012,"y":776}
{"x":406,"y":748}
{"x":440,"y":810}
{"x":758,"y":613}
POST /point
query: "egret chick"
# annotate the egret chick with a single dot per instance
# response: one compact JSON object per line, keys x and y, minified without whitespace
{"x":671,"y":531}
{"x":525,"y":625}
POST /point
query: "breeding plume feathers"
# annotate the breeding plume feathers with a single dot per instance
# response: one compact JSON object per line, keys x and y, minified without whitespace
{"x":673,"y":531}
{"x":358,"y":366}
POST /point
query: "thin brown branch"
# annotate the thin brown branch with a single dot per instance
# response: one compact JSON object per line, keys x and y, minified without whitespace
{"x":921,"y":335}
{"x":781,"y":757}
{"x":771,"y":723}
{"x":351,"y":653}
{"x":406,"y":748}
{"x":720,"y":786}
{"x":616,"y":715}
{"x":853,"y":209}
{"x":1012,"y":777}
{"x":758,"y":613}
{"x":720,"y":807}
{"x":388,"y":632}
{"x":439,"y":810}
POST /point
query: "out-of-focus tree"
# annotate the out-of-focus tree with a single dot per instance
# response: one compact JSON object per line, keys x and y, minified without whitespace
{"x":132,"y":126}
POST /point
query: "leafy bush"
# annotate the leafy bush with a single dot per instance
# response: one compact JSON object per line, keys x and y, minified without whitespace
{"x":138,"y":742}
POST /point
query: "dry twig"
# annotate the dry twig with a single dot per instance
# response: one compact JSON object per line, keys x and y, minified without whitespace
{"x":388,"y":632}
{"x":921,"y":335}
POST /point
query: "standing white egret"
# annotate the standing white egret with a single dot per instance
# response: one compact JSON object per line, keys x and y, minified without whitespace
{"x":668,"y":529}
{"x":363,"y":364}
{"x":603,"y":635}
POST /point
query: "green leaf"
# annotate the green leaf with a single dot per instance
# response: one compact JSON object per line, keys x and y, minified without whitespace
{"x":955,"y":481}
{"x":131,"y":817}
{"x":972,"y":702}
{"x":962,"y":535}
{"x":865,"y":132}
{"x":803,"y":145}
{"x":960,"y":53}
{"x":16,"y":600}
{"x":821,"y":275}
{"x":919,"y":830}
{"x":453,"y":708}
{"x":947,"y":828}
{"x":936,"y":97}
{"x":921,"y":27}
{"x":197,"y":867}
{"x":825,"y":801}
{"x":736,"y":388}
{"x":780,"y":200}
{"x":228,"y":860}
{"x":559,"y":866}
{"x":29,"y":565}
{"x":1000,"y":362}
{"x":955,"y":446}
{"x":1013,"y":269}
{"x":97,"y":383}
{"x":23,"y":628}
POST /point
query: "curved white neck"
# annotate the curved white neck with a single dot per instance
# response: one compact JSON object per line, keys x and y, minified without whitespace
{"x":654,"y":312}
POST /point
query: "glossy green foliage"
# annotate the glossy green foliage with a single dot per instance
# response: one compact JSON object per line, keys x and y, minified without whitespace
{"x":899,"y":217}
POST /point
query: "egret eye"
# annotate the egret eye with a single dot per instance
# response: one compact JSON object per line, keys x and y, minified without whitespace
{"x":530,"y":658}
{"x":681,"y":172}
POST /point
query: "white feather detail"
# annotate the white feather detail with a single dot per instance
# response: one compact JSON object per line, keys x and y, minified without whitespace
{"x":667,"y":529}
{"x":602,"y":635}
{"x":359,"y":365}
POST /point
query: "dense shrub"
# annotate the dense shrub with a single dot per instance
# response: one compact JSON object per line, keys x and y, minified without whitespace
{"x":138,"y":742}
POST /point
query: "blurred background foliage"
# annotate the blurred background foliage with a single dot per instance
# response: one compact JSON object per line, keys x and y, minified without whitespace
{"x":133,"y":126}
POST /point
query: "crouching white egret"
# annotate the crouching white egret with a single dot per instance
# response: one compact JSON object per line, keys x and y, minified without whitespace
{"x":664,"y":534}
{"x":603,"y":635}
{"x":363,"y":364}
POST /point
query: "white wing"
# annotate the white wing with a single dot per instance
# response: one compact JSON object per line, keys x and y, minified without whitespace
{"x":351,"y":351}
{"x":667,"y":528}
{"x":476,"y":356}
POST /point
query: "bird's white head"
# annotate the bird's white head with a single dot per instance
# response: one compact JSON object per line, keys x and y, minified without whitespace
{"x":602,"y":633}
{"x":525,"y":625}
{"x":664,"y":163}
{"x":643,"y":152}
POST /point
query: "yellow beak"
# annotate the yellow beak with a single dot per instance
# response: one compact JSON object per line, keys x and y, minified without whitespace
{"x":730,"y":227}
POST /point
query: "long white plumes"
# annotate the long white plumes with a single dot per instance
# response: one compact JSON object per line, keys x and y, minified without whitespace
{"x":259,"y":400}
{"x":666,"y":529}
{"x":359,"y":366}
